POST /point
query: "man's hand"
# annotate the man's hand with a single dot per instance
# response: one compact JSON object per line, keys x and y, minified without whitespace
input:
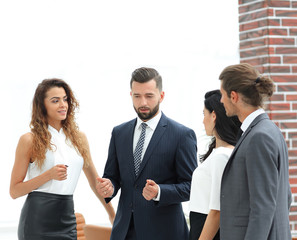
{"x":104,"y":187}
{"x":150,"y":190}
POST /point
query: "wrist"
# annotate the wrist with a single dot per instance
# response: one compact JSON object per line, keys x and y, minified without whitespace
{"x":48,"y":175}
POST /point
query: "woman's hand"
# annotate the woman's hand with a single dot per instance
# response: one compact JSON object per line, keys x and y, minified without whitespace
{"x":59,"y":172}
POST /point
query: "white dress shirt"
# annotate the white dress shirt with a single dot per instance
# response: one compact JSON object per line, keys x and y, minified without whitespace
{"x":250,"y":118}
{"x":150,"y":129}
{"x":151,"y":126}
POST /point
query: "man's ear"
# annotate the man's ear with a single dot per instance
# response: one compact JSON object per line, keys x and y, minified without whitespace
{"x":234,"y":96}
{"x":162,"y":95}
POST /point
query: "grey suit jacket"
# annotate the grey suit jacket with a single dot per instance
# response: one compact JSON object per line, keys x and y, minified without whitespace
{"x":255,"y":190}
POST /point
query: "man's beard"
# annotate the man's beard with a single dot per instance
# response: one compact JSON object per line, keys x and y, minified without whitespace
{"x":149,"y":115}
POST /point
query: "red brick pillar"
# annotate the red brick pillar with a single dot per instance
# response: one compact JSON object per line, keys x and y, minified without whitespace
{"x":268,"y":40}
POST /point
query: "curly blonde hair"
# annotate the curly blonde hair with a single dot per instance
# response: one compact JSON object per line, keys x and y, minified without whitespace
{"x":39,"y":123}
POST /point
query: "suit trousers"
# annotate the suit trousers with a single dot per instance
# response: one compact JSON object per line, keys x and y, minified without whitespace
{"x":131,"y":234}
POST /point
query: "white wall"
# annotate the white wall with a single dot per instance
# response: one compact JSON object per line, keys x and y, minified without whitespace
{"x":95,"y":46}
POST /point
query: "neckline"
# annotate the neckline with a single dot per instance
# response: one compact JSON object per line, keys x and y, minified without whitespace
{"x":221,"y":147}
{"x":52,"y":129}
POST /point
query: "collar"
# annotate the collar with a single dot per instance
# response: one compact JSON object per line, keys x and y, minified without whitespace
{"x":53,"y":130}
{"x":152,"y":123}
{"x":250,"y":118}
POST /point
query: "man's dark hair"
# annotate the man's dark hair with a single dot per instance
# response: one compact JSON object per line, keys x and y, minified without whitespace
{"x":143,"y":75}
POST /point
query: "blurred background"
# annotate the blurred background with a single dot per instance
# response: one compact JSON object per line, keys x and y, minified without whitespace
{"x":95,"y":46}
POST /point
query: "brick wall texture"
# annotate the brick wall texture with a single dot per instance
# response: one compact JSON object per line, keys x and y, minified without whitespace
{"x":268,"y":40}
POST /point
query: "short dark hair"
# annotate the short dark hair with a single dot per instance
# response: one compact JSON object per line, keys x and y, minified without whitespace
{"x":245,"y":79}
{"x":144,"y":74}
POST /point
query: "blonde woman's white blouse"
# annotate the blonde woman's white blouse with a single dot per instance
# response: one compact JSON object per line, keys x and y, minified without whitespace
{"x":63,"y":153}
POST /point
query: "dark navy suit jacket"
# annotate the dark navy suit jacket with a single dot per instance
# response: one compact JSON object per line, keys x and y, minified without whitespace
{"x":170,"y":159}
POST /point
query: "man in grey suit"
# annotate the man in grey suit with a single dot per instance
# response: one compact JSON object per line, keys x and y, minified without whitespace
{"x":255,"y":190}
{"x":151,"y":159}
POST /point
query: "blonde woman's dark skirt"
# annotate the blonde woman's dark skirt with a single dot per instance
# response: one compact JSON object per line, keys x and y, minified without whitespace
{"x":47,"y":216}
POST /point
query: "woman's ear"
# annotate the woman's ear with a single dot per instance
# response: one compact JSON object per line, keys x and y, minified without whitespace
{"x":213,"y":115}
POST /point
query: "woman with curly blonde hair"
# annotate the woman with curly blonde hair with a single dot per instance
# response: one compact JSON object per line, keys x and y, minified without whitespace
{"x":52,"y":156}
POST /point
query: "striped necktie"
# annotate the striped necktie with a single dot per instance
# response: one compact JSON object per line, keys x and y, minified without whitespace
{"x":139,"y":147}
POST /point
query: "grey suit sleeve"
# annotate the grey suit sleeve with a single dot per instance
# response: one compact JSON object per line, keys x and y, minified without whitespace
{"x":262,"y":173}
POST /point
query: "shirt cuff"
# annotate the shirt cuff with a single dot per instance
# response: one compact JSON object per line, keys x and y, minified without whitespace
{"x":159,"y":194}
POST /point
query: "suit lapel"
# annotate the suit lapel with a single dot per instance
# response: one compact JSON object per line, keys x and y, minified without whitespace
{"x":130,"y":135}
{"x":255,"y":122}
{"x":158,"y":133}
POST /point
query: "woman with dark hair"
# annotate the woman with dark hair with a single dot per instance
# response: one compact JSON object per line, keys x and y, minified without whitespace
{"x":52,"y":156}
{"x":206,"y":180}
